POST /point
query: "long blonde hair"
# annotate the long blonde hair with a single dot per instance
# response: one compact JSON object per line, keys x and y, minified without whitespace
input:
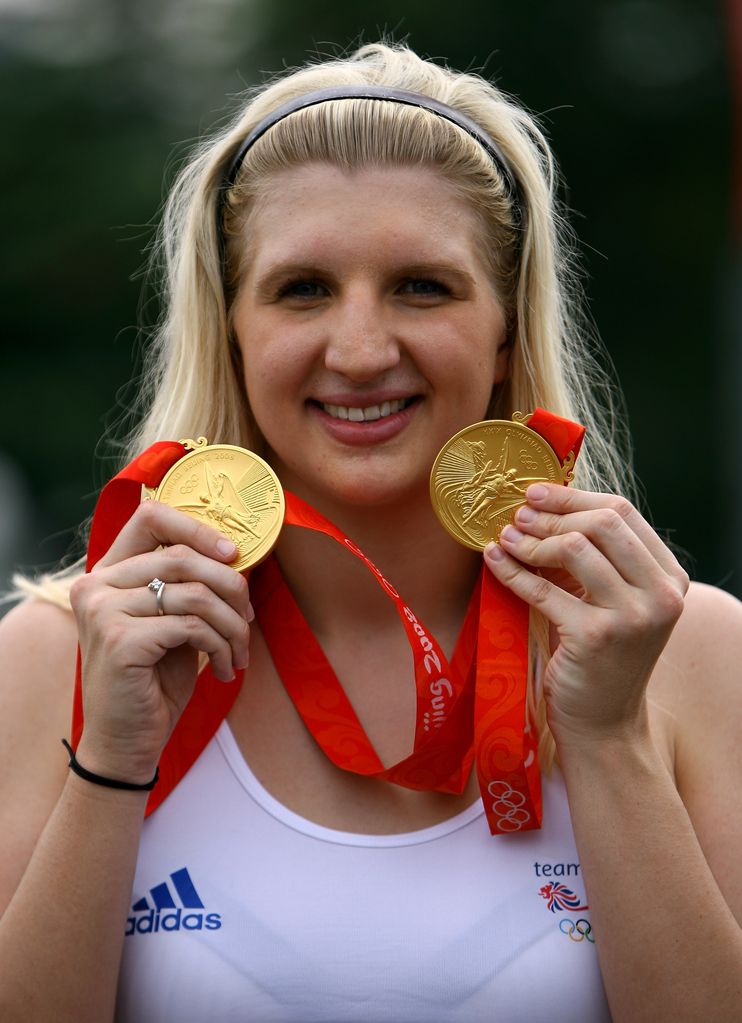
{"x":192,"y":384}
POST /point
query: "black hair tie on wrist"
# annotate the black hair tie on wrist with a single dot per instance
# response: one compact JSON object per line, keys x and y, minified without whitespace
{"x":109,"y":783}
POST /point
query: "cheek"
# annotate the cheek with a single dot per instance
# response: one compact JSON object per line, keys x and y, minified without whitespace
{"x":489,"y":373}
{"x":481,"y":369}
{"x":274,"y":379}
{"x":256,"y":377}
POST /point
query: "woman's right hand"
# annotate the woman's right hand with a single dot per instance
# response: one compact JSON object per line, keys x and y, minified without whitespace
{"x":138,"y":667}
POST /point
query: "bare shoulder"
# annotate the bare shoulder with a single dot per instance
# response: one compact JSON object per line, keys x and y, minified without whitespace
{"x":700,"y":668}
{"x":38,"y":643}
{"x":698,"y":682}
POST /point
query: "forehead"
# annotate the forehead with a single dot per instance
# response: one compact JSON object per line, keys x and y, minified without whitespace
{"x":318,"y":209}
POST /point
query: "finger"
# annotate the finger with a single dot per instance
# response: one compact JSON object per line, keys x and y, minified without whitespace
{"x":562,"y":500}
{"x":574,"y":553}
{"x":159,"y":635}
{"x":537,"y":592}
{"x":607,"y":531}
{"x":193,"y":598}
{"x":154,"y":525}
{"x":179,"y":564}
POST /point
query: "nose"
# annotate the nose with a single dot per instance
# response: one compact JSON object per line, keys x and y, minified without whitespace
{"x":361,"y":343}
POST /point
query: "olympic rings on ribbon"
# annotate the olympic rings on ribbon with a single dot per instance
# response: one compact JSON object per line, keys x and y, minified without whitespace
{"x":583,"y":931}
{"x":508,"y":805}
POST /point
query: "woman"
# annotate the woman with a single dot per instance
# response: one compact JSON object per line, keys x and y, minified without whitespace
{"x":345,"y":292}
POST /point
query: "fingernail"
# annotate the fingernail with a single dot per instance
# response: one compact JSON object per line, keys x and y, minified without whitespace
{"x":250,"y":614}
{"x":511,"y":534}
{"x":537,"y":492}
{"x":493,"y":552}
{"x":225,"y":547}
{"x":526,"y":514}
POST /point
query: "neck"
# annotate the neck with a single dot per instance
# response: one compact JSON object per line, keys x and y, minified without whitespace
{"x":433,"y":574}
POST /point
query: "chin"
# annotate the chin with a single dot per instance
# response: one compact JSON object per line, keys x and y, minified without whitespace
{"x":363,"y":492}
{"x":379,"y":497}
{"x":355,"y":483}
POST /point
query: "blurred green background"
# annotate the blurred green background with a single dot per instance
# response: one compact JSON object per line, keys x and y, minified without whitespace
{"x":98,"y":97}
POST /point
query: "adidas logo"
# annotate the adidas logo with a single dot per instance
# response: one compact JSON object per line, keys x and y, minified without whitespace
{"x":166,"y":915}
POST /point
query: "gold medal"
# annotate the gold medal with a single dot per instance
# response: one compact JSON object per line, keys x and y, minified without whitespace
{"x":231,"y":489}
{"x":480,"y":477}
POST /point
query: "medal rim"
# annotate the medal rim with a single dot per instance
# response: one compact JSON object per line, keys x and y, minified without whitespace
{"x":203,"y":449}
{"x":510,"y":424}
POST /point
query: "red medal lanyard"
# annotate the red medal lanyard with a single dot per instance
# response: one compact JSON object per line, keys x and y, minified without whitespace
{"x":476,"y":705}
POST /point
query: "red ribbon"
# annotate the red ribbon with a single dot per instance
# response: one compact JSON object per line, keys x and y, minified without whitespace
{"x":441,"y":756}
{"x":564,"y":436}
{"x":211,"y":700}
{"x":475,"y":703}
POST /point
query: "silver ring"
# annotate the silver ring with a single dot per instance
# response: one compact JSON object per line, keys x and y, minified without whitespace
{"x":158,"y":588}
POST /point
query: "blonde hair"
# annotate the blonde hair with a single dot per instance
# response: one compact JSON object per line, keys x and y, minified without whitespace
{"x":192,"y":383}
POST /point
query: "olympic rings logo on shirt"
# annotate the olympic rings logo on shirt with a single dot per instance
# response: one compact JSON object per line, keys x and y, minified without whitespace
{"x":582,"y":928}
{"x":508,"y":805}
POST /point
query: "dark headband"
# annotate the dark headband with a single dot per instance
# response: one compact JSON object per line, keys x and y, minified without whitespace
{"x":381,"y":92}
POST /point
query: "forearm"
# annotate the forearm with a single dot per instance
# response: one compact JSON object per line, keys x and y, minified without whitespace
{"x":668,"y":944}
{"x":62,"y":933}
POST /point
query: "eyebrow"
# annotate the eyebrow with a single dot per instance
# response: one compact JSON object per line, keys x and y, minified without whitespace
{"x":436,"y":269}
{"x":278,"y":271}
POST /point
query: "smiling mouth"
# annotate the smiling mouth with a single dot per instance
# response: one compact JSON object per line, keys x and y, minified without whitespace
{"x":367,"y":413}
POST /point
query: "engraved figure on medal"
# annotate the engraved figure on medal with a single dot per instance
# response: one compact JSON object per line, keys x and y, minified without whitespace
{"x":480,"y":478}
{"x":490,"y":489}
{"x":231,"y":489}
{"x":236,"y":514}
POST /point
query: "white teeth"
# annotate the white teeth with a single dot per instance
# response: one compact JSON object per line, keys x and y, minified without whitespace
{"x":367,"y":414}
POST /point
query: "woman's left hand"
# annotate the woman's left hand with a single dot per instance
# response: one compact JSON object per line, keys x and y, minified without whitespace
{"x":612,"y":592}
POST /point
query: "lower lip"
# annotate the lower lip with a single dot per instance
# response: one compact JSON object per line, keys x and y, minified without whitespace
{"x":376,"y":431}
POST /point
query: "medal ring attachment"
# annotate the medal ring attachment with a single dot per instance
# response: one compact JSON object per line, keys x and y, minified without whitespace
{"x":158,"y":588}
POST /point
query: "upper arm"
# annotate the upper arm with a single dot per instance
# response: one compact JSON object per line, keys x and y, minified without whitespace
{"x":38,"y":643}
{"x":702,"y":689}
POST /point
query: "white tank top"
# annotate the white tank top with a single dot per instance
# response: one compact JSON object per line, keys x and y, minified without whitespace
{"x":244,"y":911}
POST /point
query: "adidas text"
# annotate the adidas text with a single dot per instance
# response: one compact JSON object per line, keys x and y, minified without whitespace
{"x":174,"y":920}
{"x":159,"y":911}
